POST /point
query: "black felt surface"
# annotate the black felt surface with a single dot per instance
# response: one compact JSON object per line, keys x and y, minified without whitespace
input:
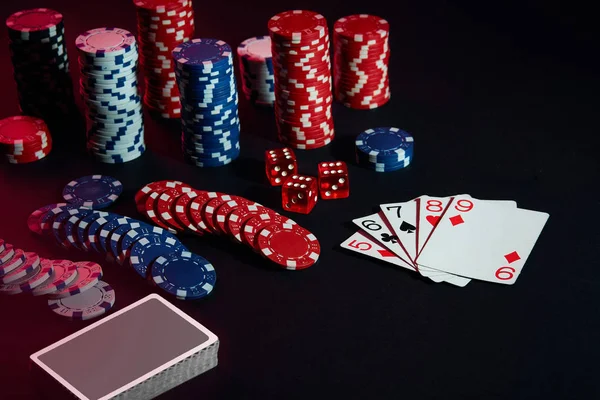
{"x":502,"y":101}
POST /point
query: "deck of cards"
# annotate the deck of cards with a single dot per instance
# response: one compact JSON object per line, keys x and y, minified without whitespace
{"x":451,"y":239}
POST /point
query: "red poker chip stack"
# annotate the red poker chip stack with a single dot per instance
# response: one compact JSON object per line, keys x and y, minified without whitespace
{"x":162,"y":26}
{"x":361,"y":56}
{"x":24,"y":139}
{"x":302,"y":70}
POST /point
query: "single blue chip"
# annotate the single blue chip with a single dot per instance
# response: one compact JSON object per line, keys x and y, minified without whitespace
{"x":184,"y":275}
{"x":131,"y":236}
{"x":71,"y":227}
{"x":93,"y":191}
{"x":384,"y":142}
{"x":83,"y":228}
{"x":115,"y":238}
{"x":48,"y":218}
{"x":93,"y":232}
{"x":106,"y":231}
{"x":148,"y":248}
{"x":59,"y":227}
{"x":202,"y":53}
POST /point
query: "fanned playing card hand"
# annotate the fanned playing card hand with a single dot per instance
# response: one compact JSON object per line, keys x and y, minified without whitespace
{"x":451,"y":239}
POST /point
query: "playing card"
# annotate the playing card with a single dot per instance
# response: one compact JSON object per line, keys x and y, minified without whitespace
{"x":378,"y":228}
{"x":362,"y":242}
{"x":482,"y":240}
{"x":428,"y":212}
{"x":401,"y":217}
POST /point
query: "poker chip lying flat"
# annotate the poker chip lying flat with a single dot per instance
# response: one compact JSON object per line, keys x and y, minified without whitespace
{"x":43,"y":274}
{"x":185,"y":275}
{"x":289,"y":246}
{"x":41,"y":71}
{"x":6,"y":260}
{"x":361,"y":56}
{"x":148,"y":248}
{"x":64,"y":272}
{"x":108,"y":60}
{"x":88,"y":274}
{"x":25,"y":264}
{"x":208,"y":90}
{"x":16,"y":286}
{"x":24,"y":139}
{"x":384,"y":149}
{"x":94,"y":191}
{"x":302,"y":72}
{"x":92,"y":303}
{"x":142,"y":195}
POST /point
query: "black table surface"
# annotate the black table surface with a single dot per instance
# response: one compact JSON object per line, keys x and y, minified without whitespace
{"x":502,"y":101}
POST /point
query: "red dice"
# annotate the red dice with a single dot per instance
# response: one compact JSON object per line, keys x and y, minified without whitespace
{"x":333,"y":180}
{"x":279,"y":165}
{"x":299,"y":194}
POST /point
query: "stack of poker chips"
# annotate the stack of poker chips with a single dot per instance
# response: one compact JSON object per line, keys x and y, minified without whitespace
{"x":108,"y":62}
{"x":302,"y":69}
{"x":361,"y":56}
{"x":384,"y":149}
{"x":256,"y":66}
{"x":24,"y":139}
{"x":162,"y":26}
{"x":41,"y":64}
{"x":209,"y":100}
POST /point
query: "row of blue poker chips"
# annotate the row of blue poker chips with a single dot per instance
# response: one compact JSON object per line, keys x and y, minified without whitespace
{"x":152,"y":251}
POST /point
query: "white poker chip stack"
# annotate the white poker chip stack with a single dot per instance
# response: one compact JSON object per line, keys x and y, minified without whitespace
{"x":108,"y":59}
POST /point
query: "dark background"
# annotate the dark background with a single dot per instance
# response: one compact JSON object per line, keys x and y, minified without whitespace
{"x":502,"y":100}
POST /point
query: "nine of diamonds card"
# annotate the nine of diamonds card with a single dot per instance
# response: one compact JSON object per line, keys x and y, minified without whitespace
{"x":451,"y":239}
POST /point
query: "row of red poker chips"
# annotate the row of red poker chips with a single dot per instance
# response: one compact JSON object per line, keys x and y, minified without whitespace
{"x":24,"y":139}
{"x":302,"y":70}
{"x":177,"y":207}
{"x":162,"y":26}
{"x":361,"y":57}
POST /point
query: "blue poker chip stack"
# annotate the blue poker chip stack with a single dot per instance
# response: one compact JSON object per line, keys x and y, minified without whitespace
{"x":384,"y":149}
{"x":209,"y":102}
{"x":108,"y":59}
{"x":256,"y":66}
{"x":41,"y":64}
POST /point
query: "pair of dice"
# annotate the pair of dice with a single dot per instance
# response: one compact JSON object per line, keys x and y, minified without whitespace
{"x":299,"y":193}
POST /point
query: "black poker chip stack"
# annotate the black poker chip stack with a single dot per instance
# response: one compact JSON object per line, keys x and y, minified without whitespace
{"x":41,"y":65}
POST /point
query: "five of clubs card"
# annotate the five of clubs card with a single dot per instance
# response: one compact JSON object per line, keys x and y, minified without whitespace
{"x":451,"y":239}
